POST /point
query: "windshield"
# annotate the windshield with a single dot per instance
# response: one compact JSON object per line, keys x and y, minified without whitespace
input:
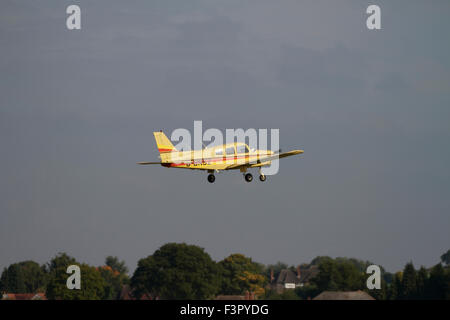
{"x":229,"y":150}
{"x":242,"y":148}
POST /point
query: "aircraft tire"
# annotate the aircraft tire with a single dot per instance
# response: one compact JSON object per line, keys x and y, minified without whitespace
{"x":262,"y":178}
{"x":211,"y":178}
{"x":248,"y":177}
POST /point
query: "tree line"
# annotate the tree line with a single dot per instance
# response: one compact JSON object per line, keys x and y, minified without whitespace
{"x":182,"y":271}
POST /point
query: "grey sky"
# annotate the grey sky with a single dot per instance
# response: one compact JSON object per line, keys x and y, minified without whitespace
{"x":370,"y":108}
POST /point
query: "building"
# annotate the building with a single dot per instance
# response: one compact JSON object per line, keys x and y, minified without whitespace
{"x":288,"y":279}
{"x":24,"y":296}
{"x":344,"y":295}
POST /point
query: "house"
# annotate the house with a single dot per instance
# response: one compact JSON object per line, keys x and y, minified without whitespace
{"x":24,"y":296}
{"x":344,"y":295}
{"x":288,"y":279}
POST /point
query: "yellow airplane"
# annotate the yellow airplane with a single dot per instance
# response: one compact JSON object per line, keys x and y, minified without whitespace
{"x":229,"y":156}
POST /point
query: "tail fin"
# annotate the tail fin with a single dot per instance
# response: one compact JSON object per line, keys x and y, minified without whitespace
{"x":163,"y":143}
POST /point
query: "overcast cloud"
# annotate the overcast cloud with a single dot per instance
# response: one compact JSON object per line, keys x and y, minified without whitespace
{"x":370,"y":108}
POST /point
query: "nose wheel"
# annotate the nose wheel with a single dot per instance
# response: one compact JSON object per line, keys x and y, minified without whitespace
{"x":211,"y":178}
{"x":262,"y":178}
{"x":248,"y":177}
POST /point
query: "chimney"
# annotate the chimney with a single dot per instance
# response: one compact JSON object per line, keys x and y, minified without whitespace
{"x":298,"y":272}
{"x":271,"y":276}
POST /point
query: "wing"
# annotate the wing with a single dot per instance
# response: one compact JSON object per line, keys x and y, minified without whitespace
{"x":143,"y":163}
{"x":174,"y":165}
{"x":262,"y":161}
{"x":281,"y":155}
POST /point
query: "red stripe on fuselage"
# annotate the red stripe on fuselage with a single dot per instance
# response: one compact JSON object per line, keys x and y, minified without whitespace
{"x":205,"y":161}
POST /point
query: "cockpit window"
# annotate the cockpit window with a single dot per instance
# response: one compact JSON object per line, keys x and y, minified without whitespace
{"x":242,"y":149}
{"x":219,"y":152}
{"x":229,"y":150}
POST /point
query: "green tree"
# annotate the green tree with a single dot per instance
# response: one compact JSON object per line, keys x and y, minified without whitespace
{"x":92,"y":283}
{"x":439,"y":283}
{"x":421,"y":282}
{"x":307,"y":291}
{"x":387,"y":276}
{"x":23,"y":277}
{"x":61,"y":260}
{"x":240,"y":273}
{"x":319,"y":259}
{"x":339,"y":276}
{"x":409,"y":282}
{"x":12,"y":280}
{"x":271,"y":295}
{"x":116,"y":264}
{"x":395,"y":287}
{"x":114,"y":273}
{"x":177,"y":271}
{"x":360,"y":265}
{"x":285,"y":295}
{"x":445,"y":258}
{"x":328,"y":276}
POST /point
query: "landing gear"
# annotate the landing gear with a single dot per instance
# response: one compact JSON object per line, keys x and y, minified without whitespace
{"x":211,"y":178}
{"x":248,"y":177}
{"x":262,"y":176}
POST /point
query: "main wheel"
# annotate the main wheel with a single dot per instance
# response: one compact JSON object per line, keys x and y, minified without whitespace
{"x":262,"y":177}
{"x":248,"y":177}
{"x":211,"y":178}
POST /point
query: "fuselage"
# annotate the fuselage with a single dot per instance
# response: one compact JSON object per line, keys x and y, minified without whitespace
{"x":227,"y":154}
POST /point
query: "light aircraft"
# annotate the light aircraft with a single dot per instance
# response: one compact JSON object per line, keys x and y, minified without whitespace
{"x":229,"y":156}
